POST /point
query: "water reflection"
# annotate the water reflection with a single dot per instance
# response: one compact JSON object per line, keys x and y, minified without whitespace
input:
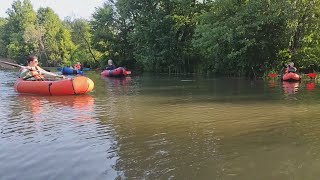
{"x":41,"y":132}
{"x":116,"y":82}
{"x":117,"y":97}
{"x":310,"y":86}
{"x":163,"y":128}
{"x":290,"y":87}
{"x":83,"y":105}
{"x":272,"y":83}
{"x":300,"y":92}
{"x":118,"y":85}
{"x":30,"y":114}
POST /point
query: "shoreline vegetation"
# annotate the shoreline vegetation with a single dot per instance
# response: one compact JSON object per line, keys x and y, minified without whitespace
{"x":221,"y":37}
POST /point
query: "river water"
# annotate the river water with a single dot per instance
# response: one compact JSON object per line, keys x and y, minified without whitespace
{"x":162,"y":127}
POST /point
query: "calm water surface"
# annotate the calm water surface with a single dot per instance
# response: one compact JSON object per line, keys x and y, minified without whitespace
{"x":162,"y":127}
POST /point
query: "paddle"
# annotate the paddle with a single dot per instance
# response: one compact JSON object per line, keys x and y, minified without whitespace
{"x":12,"y":64}
{"x":128,"y":72}
{"x":272,"y":75}
{"x":44,"y":72}
{"x":312,"y":75}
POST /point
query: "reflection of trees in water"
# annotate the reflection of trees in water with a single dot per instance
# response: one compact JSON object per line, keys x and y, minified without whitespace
{"x":121,"y":86}
{"x":165,"y":153}
{"x":149,"y":148}
{"x":171,"y":142}
{"x":151,"y":145}
{"x":114,"y":105}
{"x":274,"y":152}
{"x":296,"y":158}
{"x":119,"y":93}
{"x":307,"y":126}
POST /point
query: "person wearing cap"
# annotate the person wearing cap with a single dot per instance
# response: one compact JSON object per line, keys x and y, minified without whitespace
{"x":290,"y":68}
{"x":110,"y":65}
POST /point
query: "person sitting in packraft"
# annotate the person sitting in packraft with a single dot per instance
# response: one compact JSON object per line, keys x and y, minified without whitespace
{"x":77,"y":66}
{"x":32,"y":72}
{"x":110,"y":65}
{"x":290,"y":68}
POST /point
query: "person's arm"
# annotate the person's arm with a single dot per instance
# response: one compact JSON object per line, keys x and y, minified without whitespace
{"x":24,"y":73}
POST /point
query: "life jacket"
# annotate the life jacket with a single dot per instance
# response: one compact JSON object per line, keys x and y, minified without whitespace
{"x":110,"y":67}
{"x":77,"y":66}
{"x":35,"y":74}
{"x":290,"y":70}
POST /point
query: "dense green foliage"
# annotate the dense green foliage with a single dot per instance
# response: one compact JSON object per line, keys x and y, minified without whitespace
{"x":229,"y":37}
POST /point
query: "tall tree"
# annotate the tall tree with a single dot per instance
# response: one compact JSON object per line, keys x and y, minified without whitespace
{"x":104,"y":31}
{"x":82,"y":37}
{"x":160,"y":32}
{"x":238,"y":37}
{"x":57,"y":39}
{"x":34,"y":35}
{"x":21,"y":16}
{"x":303,"y":28}
{"x":2,"y":42}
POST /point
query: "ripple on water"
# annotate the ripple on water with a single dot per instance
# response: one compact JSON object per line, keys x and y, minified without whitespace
{"x":161,"y":128}
{"x":52,"y":137}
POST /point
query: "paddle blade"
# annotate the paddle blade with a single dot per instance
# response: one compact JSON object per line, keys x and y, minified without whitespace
{"x":312,"y":75}
{"x":272,"y":75}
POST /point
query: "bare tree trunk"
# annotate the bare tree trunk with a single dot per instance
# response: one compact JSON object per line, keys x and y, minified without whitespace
{"x":89,"y":47}
{"x":43,"y":50}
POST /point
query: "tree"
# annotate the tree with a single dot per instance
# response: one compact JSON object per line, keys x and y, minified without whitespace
{"x":240,"y":37}
{"x":104,"y":31}
{"x":21,"y":17}
{"x":34,"y":35}
{"x":303,"y":28}
{"x":160,"y":32}
{"x":2,"y":43}
{"x":82,"y":37}
{"x":57,"y":41}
